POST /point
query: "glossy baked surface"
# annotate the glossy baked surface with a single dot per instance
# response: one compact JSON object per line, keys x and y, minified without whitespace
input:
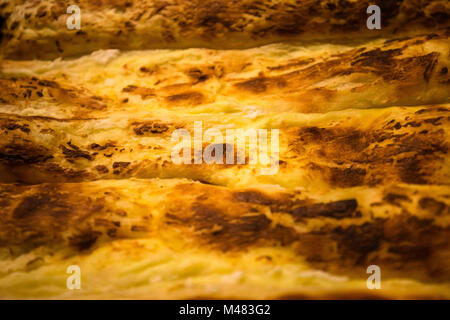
{"x":87,"y":175}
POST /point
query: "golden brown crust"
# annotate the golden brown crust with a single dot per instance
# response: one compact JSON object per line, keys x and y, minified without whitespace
{"x":365,"y":147}
{"x":281,"y":77}
{"x":201,"y":23}
{"x":403,"y":229}
{"x":87,"y":175}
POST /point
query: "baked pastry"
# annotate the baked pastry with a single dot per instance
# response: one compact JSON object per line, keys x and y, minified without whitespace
{"x":177,"y":238}
{"x":355,"y":121}
{"x":38,"y":29}
{"x":263,"y":80}
{"x":337,"y":150}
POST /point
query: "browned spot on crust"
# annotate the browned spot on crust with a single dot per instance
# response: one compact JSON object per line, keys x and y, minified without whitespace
{"x":223,"y":24}
{"x":401,"y":243}
{"x":433,"y":206}
{"x":102,"y":169}
{"x":197,"y":75}
{"x":139,"y":228}
{"x":358,"y":241}
{"x":32,"y":89}
{"x":29,"y":205}
{"x":13,"y":125}
{"x":262,"y":84}
{"x":411,"y":252}
{"x":409,"y":150}
{"x":347,"y":177}
{"x":396,"y":198}
{"x":149,"y":127}
{"x":62,"y":214}
{"x":119,"y":166}
{"x":74,"y":152}
{"x":297,"y":81}
{"x":98,"y":147}
{"x":192,"y":98}
{"x":254,"y":196}
{"x":70,"y":174}
{"x":24,"y":153}
{"x":413,"y":244}
{"x":336,"y":210}
{"x":84,"y":240}
{"x":384,"y":63}
{"x":227,"y":233}
{"x":46,"y":214}
{"x":41,"y":12}
{"x":145,"y":93}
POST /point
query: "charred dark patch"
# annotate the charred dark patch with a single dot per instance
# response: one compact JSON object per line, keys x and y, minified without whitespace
{"x":428,"y":110}
{"x":48,"y":83}
{"x":84,"y":240}
{"x":385,"y":64}
{"x":253,"y":197}
{"x":139,"y":228}
{"x":102,"y":169}
{"x":428,"y":63}
{"x":24,"y":153}
{"x":396,"y":198}
{"x":433,"y":206}
{"x":41,"y":12}
{"x":121,"y":164}
{"x":434,"y":121}
{"x":357,"y":241}
{"x":432,"y":36}
{"x":52,"y":215}
{"x":419,"y":241}
{"x":226,"y":232}
{"x":10,"y":126}
{"x":2,"y":25}
{"x":30,"y":205}
{"x":209,"y":15}
{"x":73,"y":152}
{"x":145,"y":69}
{"x":357,"y":157}
{"x":347,"y":177}
{"x":410,"y":170}
{"x":377,"y":57}
{"x":197,"y":75}
{"x":397,"y":40}
{"x":350,"y":141}
{"x":149,"y":127}
{"x":98,"y":147}
{"x":336,"y":210}
{"x":70,"y":174}
{"x":411,"y":252}
{"x":391,"y":8}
